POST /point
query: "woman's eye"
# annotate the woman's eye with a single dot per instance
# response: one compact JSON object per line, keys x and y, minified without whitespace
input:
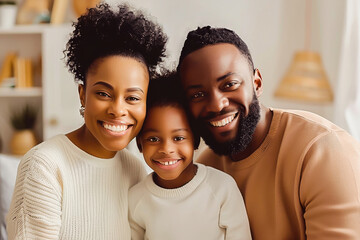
{"x":153,"y":139}
{"x":103,"y":94}
{"x":133,"y":98}
{"x":178,"y":138}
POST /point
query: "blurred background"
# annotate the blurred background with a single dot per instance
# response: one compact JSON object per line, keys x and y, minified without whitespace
{"x":308,"y":52}
{"x":275,"y":31}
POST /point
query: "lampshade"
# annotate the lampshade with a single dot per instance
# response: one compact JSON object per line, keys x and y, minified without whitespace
{"x":305,"y":79}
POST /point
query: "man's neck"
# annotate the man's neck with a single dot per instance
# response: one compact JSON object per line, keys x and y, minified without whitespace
{"x":261,"y":131}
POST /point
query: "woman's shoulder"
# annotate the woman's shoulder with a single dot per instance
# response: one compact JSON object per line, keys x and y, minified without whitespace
{"x":47,"y":152}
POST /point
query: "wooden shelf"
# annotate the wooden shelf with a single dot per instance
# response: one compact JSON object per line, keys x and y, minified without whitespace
{"x":21,"y":92}
{"x":31,"y":28}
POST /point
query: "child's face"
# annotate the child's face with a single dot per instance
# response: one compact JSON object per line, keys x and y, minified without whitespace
{"x":168,"y":146}
{"x":115,"y":104}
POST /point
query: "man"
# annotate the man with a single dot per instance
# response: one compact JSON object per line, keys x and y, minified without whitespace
{"x":299,"y":173}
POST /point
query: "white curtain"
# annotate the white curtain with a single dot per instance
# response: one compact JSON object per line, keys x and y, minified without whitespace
{"x":347,"y":93}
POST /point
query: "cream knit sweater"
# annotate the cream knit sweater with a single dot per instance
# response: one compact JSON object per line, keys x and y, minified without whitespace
{"x":209,"y":207}
{"x":62,"y":192}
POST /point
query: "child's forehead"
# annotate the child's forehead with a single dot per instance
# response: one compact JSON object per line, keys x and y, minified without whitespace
{"x":165,"y":116}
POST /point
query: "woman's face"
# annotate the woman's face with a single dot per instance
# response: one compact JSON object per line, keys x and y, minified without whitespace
{"x":115,"y":104}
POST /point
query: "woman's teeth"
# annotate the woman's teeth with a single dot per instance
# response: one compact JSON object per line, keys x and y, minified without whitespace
{"x":115,"y":128}
{"x":223,"y":122}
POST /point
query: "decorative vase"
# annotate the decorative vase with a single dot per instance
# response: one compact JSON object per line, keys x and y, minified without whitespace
{"x":22,"y":141}
{"x":81,"y":6}
{"x":7,"y":14}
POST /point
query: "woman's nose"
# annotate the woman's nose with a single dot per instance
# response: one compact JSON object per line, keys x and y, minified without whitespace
{"x":117,"y":108}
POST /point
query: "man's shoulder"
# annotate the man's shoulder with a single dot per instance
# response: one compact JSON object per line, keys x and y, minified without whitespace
{"x":209,"y":158}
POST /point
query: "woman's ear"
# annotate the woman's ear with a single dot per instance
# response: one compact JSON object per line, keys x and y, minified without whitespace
{"x":257,"y":82}
{"x":81,"y":90}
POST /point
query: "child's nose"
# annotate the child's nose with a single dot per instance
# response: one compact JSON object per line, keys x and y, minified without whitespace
{"x":167,"y":147}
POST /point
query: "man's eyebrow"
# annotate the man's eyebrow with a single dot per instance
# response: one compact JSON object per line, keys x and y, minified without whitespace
{"x":225,"y":76}
{"x":218,"y":79}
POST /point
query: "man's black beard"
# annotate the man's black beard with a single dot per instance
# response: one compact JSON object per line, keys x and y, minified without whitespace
{"x":243,"y":137}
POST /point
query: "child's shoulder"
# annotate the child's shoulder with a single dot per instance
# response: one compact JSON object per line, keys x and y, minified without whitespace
{"x":218,"y":179}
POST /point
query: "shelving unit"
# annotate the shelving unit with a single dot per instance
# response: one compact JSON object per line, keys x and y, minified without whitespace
{"x":54,"y":93}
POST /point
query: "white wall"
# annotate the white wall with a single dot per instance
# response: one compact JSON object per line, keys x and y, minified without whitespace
{"x":273,"y":30}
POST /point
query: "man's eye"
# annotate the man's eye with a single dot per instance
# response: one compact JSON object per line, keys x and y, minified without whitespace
{"x":179,"y":138}
{"x":197,"y":96}
{"x":231,"y":85}
{"x":153,"y":139}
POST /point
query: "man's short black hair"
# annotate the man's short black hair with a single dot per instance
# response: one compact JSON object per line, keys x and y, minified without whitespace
{"x":104,"y":31}
{"x":165,"y":90}
{"x":204,"y":36}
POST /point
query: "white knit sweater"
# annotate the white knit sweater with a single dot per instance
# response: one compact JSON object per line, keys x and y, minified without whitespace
{"x":62,"y":192}
{"x":209,"y":207}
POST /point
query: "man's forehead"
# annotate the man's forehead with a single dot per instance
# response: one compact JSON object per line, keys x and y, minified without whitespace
{"x":216,"y":60}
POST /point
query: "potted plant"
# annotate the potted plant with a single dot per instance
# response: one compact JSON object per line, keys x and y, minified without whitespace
{"x":8,"y":11}
{"x":23,"y":123}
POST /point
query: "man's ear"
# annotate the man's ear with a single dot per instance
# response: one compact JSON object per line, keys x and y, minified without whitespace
{"x":81,"y":90}
{"x":257,"y":82}
{"x":138,"y":143}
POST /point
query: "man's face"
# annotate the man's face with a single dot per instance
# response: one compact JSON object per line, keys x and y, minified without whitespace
{"x":222,"y":94}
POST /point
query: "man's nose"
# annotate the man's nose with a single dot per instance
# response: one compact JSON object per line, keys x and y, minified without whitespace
{"x":217,"y":102}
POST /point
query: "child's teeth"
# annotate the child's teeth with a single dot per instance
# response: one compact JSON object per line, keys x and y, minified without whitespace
{"x":168,"y":163}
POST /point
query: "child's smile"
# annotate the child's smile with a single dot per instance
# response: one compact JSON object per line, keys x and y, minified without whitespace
{"x":168,"y":146}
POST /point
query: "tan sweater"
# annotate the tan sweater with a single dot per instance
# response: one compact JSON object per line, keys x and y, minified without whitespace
{"x":62,"y":192}
{"x":303,"y":182}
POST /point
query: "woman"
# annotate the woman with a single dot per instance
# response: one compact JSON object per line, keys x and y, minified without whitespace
{"x":75,"y":186}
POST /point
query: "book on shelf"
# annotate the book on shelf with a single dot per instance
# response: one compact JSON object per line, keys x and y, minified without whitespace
{"x":7,"y":69}
{"x":23,"y":73}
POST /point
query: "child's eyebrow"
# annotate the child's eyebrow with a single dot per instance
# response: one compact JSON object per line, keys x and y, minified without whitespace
{"x":181,"y":129}
{"x":149,"y":130}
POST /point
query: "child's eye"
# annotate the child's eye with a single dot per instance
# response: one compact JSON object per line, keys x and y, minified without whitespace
{"x":179,"y":138}
{"x":153,"y":139}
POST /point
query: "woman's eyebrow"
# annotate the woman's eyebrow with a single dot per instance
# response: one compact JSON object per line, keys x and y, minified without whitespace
{"x":103,"y":84}
{"x":134,"y":89}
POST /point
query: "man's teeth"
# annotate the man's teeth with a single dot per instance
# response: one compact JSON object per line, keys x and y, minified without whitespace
{"x":223,"y":122}
{"x":115,"y":128}
{"x":169,"y":163}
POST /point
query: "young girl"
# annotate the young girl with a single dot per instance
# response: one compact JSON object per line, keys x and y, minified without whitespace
{"x":180,"y":199}
{"x":75,"y":186}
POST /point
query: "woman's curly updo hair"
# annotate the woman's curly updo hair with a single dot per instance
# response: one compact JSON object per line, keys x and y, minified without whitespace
{"x":103,"y":32}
